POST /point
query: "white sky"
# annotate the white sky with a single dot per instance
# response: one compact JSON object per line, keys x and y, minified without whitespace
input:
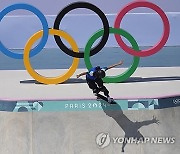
{"x":52,"y":7}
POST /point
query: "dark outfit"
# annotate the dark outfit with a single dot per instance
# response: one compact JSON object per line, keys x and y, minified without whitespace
{"x":95,"y":83}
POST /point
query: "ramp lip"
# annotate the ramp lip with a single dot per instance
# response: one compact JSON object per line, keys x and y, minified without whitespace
{"x":90,"y":98}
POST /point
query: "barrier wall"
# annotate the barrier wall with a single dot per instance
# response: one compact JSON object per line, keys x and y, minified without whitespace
{"x":88,"y":105}
{"x":146,"y":28}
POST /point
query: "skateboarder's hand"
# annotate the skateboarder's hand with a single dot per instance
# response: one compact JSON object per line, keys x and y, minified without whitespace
{"x":121,"y":62}
{"x":155,"y":120}
{"x":78,"y":76}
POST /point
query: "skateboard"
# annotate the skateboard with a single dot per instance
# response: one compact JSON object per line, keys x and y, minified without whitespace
{"x":105,"y":99}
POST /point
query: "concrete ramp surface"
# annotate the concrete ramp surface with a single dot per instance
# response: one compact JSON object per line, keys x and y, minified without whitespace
{"x":105,"y":130}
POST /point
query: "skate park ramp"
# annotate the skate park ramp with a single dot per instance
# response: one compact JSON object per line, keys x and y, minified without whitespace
{"x":33,"y":122}
{"x":90,"y":126}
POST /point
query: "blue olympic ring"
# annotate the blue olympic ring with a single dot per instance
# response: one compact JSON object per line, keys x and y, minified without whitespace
{"x":43,"y":20}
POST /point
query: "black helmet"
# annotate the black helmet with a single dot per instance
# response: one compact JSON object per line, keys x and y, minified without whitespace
{"x":100,"y":74}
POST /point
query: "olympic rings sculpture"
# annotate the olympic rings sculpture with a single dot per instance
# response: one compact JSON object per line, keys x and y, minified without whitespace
{"x":88,"y":51}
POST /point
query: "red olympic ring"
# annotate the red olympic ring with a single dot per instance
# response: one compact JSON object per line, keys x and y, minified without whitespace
{"x":155,"y":48}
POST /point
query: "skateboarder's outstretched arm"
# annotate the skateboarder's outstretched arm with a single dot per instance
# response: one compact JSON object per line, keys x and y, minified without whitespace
{"x":114,"y":65}
{"x":81,"y":74}
{"x":109,"y":67}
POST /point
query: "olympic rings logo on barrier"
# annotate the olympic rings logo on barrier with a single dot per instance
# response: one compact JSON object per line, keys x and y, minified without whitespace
{"x":104,"y":32}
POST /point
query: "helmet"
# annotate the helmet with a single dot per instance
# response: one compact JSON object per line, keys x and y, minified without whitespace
{"x":100,"y":74}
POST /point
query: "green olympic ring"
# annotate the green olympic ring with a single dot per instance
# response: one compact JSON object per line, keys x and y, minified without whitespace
{"x":124,"y":76}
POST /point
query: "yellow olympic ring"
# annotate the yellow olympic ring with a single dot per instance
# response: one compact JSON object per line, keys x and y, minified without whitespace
{"x":50,"y":80}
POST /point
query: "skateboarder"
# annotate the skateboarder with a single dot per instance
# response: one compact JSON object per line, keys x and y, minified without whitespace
{"x":94,"y":79}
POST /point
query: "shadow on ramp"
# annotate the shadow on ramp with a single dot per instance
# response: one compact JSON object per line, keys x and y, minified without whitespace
{"x":140,"y":79}
{"x":130,"y":80}
{"x":130,"y":128}
{"x":69,"y":81}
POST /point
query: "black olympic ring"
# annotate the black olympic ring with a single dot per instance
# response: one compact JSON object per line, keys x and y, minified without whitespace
{"x":92,"y":7}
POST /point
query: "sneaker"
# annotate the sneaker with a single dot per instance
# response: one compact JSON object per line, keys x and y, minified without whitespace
{"x":98,"y":98}
{"x":110,"y":100}
{"x":95,"y":94}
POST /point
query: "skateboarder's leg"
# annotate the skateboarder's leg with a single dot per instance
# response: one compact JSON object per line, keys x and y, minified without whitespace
{"x":101,"y":86}
{"x":92,"y":85}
